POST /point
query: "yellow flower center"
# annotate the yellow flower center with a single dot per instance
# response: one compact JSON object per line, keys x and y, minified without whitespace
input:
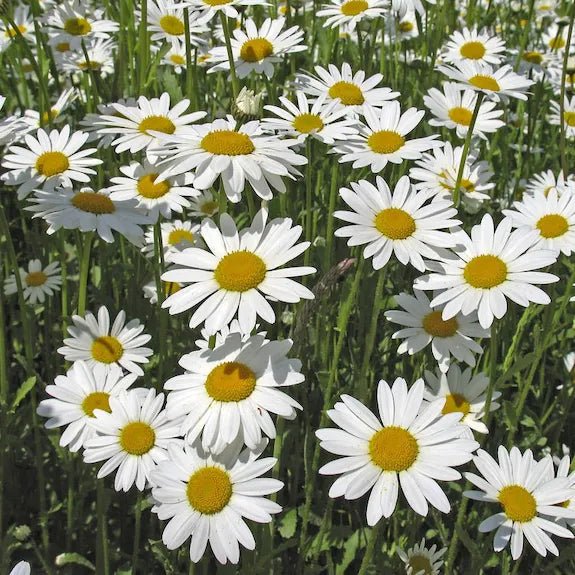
{"x":90,"y":65}
{"x":230,"y":382}
{"x":216,"y":2}
{"x":11,"y":33}
{"x":63,"y":47}
{"x":93,"y":203}
{"x":533,"y":57}
{"x":178,"y":236}
{"x":556,"y":43}
{"x":484,"y":83}
{"x":434,"y":325}
{"x":96,"y":400}
{"x":460,"y":116}
{"x":472,"y":50}
{"x":209,"y":490}
{"x":569,"y":118}
{"x":48,"y":116}
{"x":456,"y":402}
{"x":552,"y":226}
{"x":35,"y":279}
{"x":354,"y":7}
{"x":52,"y":163}
{"x":485,"y":272}
{"x":77,"y":26}
{"x":158,"y":124}
{"x":227,"y":143}
{"x":240,"y":271}
{"x":209,"y":208}
{"x":405,"y":26}
{"x":348,"y":93}
{"x":393,"y":449}
{"x":107,"y":349}
{"x":149,"y":189}
{"x":137,"y":438}
{"x":177,"y":60}
{"x":172,"y":25}
{"x":419,"y":564}
{"x":171,"y":288}
{"x":395,"y":224}
{"x":518,"y":504}
{"x":306,"y":123}
{"x":385,"y":142}
{"x":467,"y":185}
{"x":256,"y":50}
{"x":565,"y":504}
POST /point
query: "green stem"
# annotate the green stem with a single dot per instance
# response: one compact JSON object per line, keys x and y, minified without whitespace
{"x":226,"y":28}
{"x":102,"y":563}
{"x":137,"y":532}
{"x":330,"y":218}
{"x":564,"y":164}
{"x":143,"y":51}
{"x":370,"y":549}
{"x":308,"y":198}
{"x":84,"y":272}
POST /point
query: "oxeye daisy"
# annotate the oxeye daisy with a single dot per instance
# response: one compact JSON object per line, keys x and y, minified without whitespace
{"x":487,"y":267}
{"x":555,"y":38}
{"x":258,"y":49}
{"x":403,"y":6}
{"x":207,"y":496}
{"x":350,"y":12}
{"x":383,"y":138}
{"x":99,"y":61}
{"x":546,"y":181}
{"x":424,"y":325}
{"x":132,"y":436}
{"x":475,"y":46}
{"x":525,"y":490}
{"x":402,"y":222}
{"x":49,"y":160}
{"x":453,"y":108}
{"x":11,"y":127}
{"x":231,"y":390}
{"x":568,"y":116}
{"x":239,"y":273}
{"x":411,"y":444}
{"x":209,"y":9}
{"x":37,"y":282}
{"x":419,"y":560}
{"x":90,"y":123}
{"x":166,"y":22}
{"x":32,"y":118}
{"x":76,"y":395}
{"x":24,"y":24}
{"x":204,"y":205}
{"x":177,"y":235}
{"x":405,"y":28}
{"x":103,"y":346}
{"x":564,"y":471}
{"x":151,"y":291}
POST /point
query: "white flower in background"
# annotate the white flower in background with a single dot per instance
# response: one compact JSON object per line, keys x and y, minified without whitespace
{"x":351,"y":12}
{"x":33,"y":120}
{"x":403,"y":6}
{"x":24,"y":24}
{"x":248,"y":102}
{"x":204,"y":205}
{"x":100,"y":60}
{"x":151,"y":291}
{"x":177,"y":235}
{"x":564,"y":471}
{"x":568,"y":116}
{"x":37,"y":282}
{"x":421,"y":560}
{"x":21,"y":568}
{"x":90,"y":122}
{"x":475,"y":46}
{"x":11,"y":127}
{"x":210,"y":9}
{"x":166,"y":23}
{"x":546,"y":181}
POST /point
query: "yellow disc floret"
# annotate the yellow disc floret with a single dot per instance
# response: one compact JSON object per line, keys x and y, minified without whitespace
{"x":231,"y":382}
{"x":209,"y":490}
{"x":393,"y":449}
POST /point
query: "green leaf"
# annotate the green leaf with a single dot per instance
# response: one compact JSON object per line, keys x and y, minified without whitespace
{"x":288,"y":524}
{"x":22,"y":392}
{"x":74,"y":559}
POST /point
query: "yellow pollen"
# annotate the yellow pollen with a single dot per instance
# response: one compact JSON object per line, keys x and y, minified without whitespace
{"x":107,"y":349}
{"x":11,"y":33}
{"x":354,"y":7}
{"x":158,"y":124}
{"x":552,"y":226}
{"x":48,"y":116}
{"x":393,"y":449}
{"x":518,"y":504}
{"x":484,"y":83}
{"x":240,"y":271}
{"x":93,"y":203}
{"x":77,"y":26}
{"x":227,"y":143}
{"x":177,"y":60}
{"x":385,"y":142}
{"x":569,"y":118}
{"x":348,"y":93}
{"x":137,"y":438}
{"x":472,"y":50}
{"x":63,"y":47}
{"x":172,"y":25}
{"x":209,"y":490}
{"x":216,"y":2}
{"x":485,"y":272}
{"x":456,"y":402}
{"x":434,"y":325}
{"x":209,"y":208}
{"x":27,"y":67}
{"x":171,"y":288}
{"x":420,"y":565}
{"x":467,"y":185}
{"x":460,"y":116}
{"x":395,"y":224}
{"x":405,"y":26}
{"x":256,"y":50}
{"x":533,"y":57}
{"x":556,"y":43}
{"x":36,"y":279}
{"x":565,"y":504}
{"x":96,"y":400}
{"x":230,"y":382}
{"x":306,"y":123}
{"x":89,"y":65}
{"x":178,"y":236}
{"x":147,"y":187}
{"x":52,"y":163}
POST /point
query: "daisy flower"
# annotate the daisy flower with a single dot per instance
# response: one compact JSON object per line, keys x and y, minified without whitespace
{"x":100,"y":59}
{"x":424,"y":325}
{"x":568,"y":116}
{"x":151,"y":291}
{"x":325,"y":122}
{"x":383,"y":138}
{"x":176,"y":56}
{"x":207,"y":496}
{"x":546,"y":181}
{"x":555,"y":39}
{"x":404,"y":29}
{"x":102,"y":347}
{"x":32,"y":118}
{"x":21,"y":568}
{"x":564,"y":471}
{"x":76,"y":395}
{"x":403,"y":6}
{"x":11,"y":127}
{"x":177,"y":235}
{"x":453,"y":108}
{"x":203,"y":206}
{"x":419,"y":559}
{"x":87,"y":210}
{"x":23,"y":22}
{"x":229,"y":391}
{"x":239,"y":273}
{"x":90,"y":123}
{"x":133,"y":437}
{"x":525,"y":490}
{"x":401,"y":222}
{"x":350,"y":12}
{"x":37,"y":282}
{"x":257,"y":50}
{"x":411,"y":444}
{"x":239,"y":154}
{"x":487,"y":267}
{"x":166,"y":23}
{"x":49,"y":160}
{"x":139,"y":181}
{"x":475,"y":46}
{"x":210,"y":9}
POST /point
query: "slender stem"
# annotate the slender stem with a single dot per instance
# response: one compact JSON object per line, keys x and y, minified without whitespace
{"x":102,"y":563}
{"x":84,"y":272}
{"x":330,"y":217}
{"x":308,"y":198}
{"x":143,"y":45}
{"x":226,"y":28}
{"x":3,"y":414}
{"x":137,"y":532}
{"x":370,"y":549}
{"x":564,"y":164}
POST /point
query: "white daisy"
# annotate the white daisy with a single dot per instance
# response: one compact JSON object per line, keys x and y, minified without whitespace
{"x":211,"y":8}
{"x":21,"y":568}
{"x":350,"y":12}
{"x":555,"y":38}
{"x":90,"y":123}
{"x":11,"y":127}
{"x":204,"y":205}
{"x":403,"y":6}
{"x":100,"y":60}
{"x":151,"y":291}
{"x":421,"y":560}
{"x":32,"y":118}
{"x":564,"y":471}
{"x":475,"y":46}
{"x":546,"y":181}
{"x":568,"y":116}
{"x":177,"y":235}
{"x":166,"y":22}
{"x":411,"y":444}
{"x":37,"y":282}
{"x":102,"y":347}
{"x":24,"y":23}
{"x":405,"y":28}
{"x":239,"y":273}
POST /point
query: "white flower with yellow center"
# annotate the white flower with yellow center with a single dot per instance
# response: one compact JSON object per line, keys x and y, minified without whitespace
{"x":568,"y":116}
{"x":230,"y":391}
{"x":411,"y":444}
{"x":48,"y":160}
{"x":203,"y":206}
{"x":403,"y":6}
{"x":546,"y":181}
{"x":401,"y":223}
{"x":103,"y":346}
{"x":350,"y":12}
{"x":166,"y":22}
{"x":419,"y":560}
{"x":33,"y":120}
{"x":453,"y":108}
{"x":132,"y":436}
{"x":177,"y":235}
{"x":405,"y":28}
{"x":461,"y":392}
{"x":176,"y":56}
{"x":24,"y":24}
{"x":474,"y":46}
{"x":555,"y":38}
{"x":239,"y":273}
{"x":488,"y":267}
{"x":424,"y":325}
{"x":258,"y":49}
{"x":207,"y":496}
{"x":37,"y":282}
{"x":76,"y":395}
{"x":90,"y":122}
{"x":210,"y":9}
{"x":564,"y":471}
{"x":525,"y":490}
{"x":100,"y":60}
{"x":151,"y":291}
{"x":383,"y":138}
{"x":11,"y":127}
